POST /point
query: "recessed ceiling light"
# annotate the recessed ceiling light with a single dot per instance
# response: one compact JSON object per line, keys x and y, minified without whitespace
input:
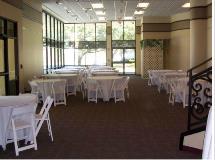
{"x":142,"y":5}
{"x":69,"y":11}
{"x":97,"y":5}
{"x":128,"y":18}
{"x":101,"y":13}
{"x":102,"y":18}
{"x":186,"y":5}
{"x":138,"y":12}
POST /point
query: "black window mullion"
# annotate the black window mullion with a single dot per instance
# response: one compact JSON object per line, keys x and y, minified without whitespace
{"x":46,"y":43}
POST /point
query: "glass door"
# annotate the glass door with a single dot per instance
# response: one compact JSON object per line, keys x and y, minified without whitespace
{"x":12,"y":78}
{"x":2,"y":69}
{"x":8,"y":58}
{"x":124,"y":60}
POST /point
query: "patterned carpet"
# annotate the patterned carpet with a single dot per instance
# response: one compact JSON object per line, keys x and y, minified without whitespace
{"x":145,"y":126}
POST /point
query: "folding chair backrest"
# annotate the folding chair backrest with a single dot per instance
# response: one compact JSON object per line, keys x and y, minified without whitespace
{"x":45,"y":89}
{"x":92,"y":84}
{"x":34,"y":86}
{"x":121,"y":83}
{"x":45,"y":104}
{"x":59,"y":86}
{"x":24,"y":112}
{"x":44,"y":114}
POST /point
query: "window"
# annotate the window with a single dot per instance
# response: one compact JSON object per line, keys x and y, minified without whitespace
{"x":85,"y":44}
{"x":123,"y":46}
{"x":53,"y":52}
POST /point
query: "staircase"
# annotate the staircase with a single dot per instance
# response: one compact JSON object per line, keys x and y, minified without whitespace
{"x":199,"y":103}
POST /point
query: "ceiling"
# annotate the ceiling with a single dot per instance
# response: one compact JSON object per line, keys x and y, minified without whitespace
{"x":82,"y":11}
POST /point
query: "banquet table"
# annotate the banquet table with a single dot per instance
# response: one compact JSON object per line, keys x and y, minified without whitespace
{"x":105,"y":84}
{"x":103,"y":73}
{"x":45,"y":86}
{"x":8,"y":104}
{"x":65,"y":76}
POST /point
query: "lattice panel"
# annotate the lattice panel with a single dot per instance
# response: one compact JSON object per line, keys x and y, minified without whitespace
{"x":152,"y":59}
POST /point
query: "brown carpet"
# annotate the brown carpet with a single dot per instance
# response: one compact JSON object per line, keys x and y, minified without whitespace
{"x":145,"y":126}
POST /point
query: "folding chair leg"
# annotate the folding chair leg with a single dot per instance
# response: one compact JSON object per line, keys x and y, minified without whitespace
{"x":49,"y":128}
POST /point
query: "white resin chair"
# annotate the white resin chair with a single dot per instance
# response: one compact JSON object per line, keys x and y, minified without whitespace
{"x":72,"y":85}
{"x":92,"y":90}
{"x":34,"y":90}
{"x":59,"y":92}
{"x":119,"y":89}
{"x":45,"y":89}
{"x":22,"y":118}
{"x":44,"y":116}
{"x":126,"y":87}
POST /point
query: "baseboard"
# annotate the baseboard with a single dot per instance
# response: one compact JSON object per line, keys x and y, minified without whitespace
{"x":191,"y":149}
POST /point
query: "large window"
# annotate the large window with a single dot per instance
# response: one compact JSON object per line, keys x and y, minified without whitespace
{"x":123,"y":46}
{"x":53,"y":53}
{"x":85,"y":44}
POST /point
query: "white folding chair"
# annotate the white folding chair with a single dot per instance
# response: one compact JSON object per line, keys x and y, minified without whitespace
{"x":44,"y":116}
{"x":72,"y":85}
{"x":59,"y":92}
{"x":119,"y":89}
{"x":92,"y":90}
{"x":34,"y":90}
{"x":45,"y":89}
{"x":22,"y":118}
{"x":126,"y":87}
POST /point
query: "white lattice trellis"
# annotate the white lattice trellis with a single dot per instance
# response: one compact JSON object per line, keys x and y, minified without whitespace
{"x":152,"y":59}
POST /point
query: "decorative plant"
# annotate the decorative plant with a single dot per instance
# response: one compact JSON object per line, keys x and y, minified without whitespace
{"x":151,"y":43}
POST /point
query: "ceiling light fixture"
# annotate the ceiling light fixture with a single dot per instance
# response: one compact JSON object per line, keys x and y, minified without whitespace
{"x":186,"y":5}
{"x":68,"y":11}
{"x":142,"y":5}
{"x":101,"y":13}
{"x":59,"y":2}
{"x":97,"y":5}
{"x":138,"y":12}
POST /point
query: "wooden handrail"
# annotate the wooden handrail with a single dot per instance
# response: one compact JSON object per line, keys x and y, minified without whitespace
{"x":199,"y":64}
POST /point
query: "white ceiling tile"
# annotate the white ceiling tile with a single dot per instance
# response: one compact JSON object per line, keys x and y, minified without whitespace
{"x":156,"y":8}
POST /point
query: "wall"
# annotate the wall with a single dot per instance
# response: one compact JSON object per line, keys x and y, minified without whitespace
{"x":209,"y":38}
{"x":179,"y":49}
{"x":32,"y":57}
{"x":32,"y":60}
{"x":178,"y":56}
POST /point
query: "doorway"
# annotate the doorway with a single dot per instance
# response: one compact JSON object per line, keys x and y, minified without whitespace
{"x":9,"y":81}
{"x":124,"y":60}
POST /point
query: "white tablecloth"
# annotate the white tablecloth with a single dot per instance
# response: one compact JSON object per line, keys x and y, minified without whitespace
{"x":105,"y":84}
{"x":45,"y":86}
{"x":7,"y":105}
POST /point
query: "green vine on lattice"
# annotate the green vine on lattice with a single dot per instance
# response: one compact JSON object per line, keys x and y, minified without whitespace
{"x":151,"y":43}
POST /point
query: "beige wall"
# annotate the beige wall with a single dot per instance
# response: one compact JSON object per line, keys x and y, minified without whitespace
{"x":32,"y":60}
{"x":209,"y":38}
{"x":178,"y":56}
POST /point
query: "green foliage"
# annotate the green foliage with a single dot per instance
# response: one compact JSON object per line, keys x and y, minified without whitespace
{"x":151,"y":43}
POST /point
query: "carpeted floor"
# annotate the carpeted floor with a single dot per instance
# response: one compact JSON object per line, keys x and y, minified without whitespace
{"x":145,"y":126}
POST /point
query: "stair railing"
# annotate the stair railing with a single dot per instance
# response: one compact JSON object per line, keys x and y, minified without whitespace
{"x":200,"y":95}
